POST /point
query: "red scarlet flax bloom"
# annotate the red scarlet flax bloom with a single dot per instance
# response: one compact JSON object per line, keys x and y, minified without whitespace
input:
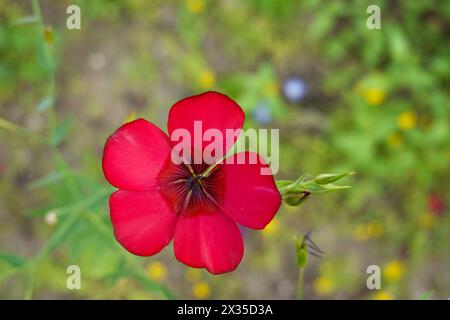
{"x":196,"y":205}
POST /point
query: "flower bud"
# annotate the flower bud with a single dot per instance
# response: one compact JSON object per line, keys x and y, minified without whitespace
{"x":326,"y":178}
{"x":301,"y":253}
{"x":295,"y":200}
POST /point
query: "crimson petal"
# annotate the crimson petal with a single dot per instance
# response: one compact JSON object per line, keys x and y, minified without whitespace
{"x":250,"y":198}
{"x":134,"y":156}
{"x":143,"y":222}
{"x":214,"y":110}
{"x":212,"y":241}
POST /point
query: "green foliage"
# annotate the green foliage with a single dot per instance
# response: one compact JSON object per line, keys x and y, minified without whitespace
{"x":377,"y":103}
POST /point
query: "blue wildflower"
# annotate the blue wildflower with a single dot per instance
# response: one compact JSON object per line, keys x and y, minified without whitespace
{"x":295,"y":89}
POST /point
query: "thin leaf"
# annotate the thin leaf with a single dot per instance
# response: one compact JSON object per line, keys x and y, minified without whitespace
{"x":25,"y":20}
{"x":46,"y":180}
{"x":426,"y":295}
{"x":11,"y":259}
{"x":282,"y":183}
{"x":60,"y":132}
{"x":45,"y":104}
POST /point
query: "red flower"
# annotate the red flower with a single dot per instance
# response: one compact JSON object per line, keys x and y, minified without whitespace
{"x":159,"y":200}
{"x":435,"y":204}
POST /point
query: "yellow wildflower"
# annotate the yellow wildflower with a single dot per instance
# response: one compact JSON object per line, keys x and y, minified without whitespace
{"x":324,"y":285}
{"x":207,"y":79}
{"x":394,"y":270}
{"x":201,"y":290}
{"x":383,"y":295}
{"x":195,"y":6}
{"x":374,"y":96}
{"x":157,"y":271}
{"x":407,"y":120}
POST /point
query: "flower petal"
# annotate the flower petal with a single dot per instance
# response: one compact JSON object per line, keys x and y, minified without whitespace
{"x":212,"y":241}
{"x":134,"y":156}
{"x":215,"y":111}
{"x":143,"y":222}
{"x":250,"y":198}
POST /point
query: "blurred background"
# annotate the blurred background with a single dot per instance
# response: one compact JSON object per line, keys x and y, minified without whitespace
{"x":344,"y":97}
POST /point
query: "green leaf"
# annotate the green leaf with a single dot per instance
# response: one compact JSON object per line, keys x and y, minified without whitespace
{"x":45,"y":104}
{"x":426,"y":295}
{"x":282,"y":183}
{"x":60,"y":132}
{"x":399,"y":46}
{"x":93,"y":253}
{"x":151,"y":285}
{"x":11,"y":259}
{"x":46,"y":180}
{"x":25,"y":20}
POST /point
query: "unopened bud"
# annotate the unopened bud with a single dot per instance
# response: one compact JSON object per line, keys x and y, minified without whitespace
{"x":301,"y":253}
{"x":326,"y":178}
{"x":295,"y":200}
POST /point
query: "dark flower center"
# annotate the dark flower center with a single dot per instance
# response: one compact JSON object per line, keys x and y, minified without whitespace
{"x":192,"y":189}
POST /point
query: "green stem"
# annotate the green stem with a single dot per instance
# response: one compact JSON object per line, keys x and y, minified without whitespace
{"x":300,"y":293}
{"x":80,"y":210}
{"x":12,"y":127}
{"x":30,"y":283}
{"x":31,"y":266}
{"x":137,"y":274}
